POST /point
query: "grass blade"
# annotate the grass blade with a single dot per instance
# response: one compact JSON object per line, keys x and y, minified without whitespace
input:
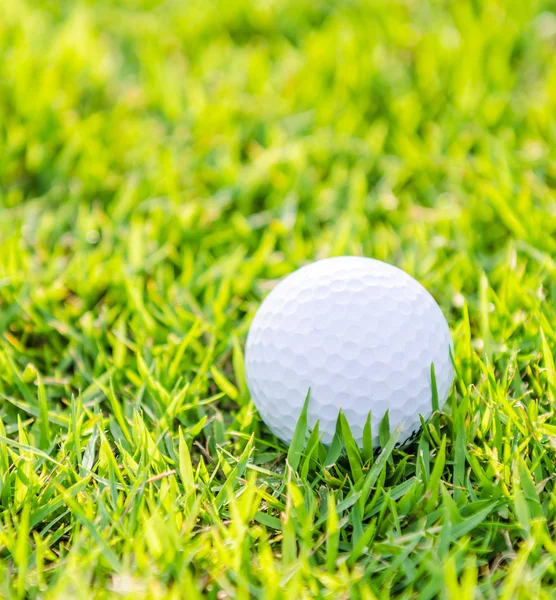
{"x":295,"y":450}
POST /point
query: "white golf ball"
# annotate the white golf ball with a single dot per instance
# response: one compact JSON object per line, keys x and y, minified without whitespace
{"x":361,"y":335}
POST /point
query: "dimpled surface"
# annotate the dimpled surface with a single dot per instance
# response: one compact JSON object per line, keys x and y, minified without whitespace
{"x":361,"y":334}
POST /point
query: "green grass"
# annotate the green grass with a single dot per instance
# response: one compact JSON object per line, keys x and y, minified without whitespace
{"x":162,"y":164}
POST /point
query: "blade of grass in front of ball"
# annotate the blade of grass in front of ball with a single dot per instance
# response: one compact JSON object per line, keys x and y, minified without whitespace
{"x":311,"y":452}
{"x":368,"y":439}
{"x":336,"y":446}
{"x":373,"y":473}
{"x":298,"y":441}
{"x":352,"y":449}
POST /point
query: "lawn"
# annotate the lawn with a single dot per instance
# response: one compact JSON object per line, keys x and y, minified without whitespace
{"x":162,"y":165}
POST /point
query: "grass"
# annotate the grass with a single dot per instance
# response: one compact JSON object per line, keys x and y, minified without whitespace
{"x":162,"y":164}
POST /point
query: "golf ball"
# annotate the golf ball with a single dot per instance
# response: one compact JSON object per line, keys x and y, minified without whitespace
{"x":361,"y":335}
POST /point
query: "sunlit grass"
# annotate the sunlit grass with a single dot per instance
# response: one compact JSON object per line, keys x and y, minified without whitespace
{"x":162,"y":164}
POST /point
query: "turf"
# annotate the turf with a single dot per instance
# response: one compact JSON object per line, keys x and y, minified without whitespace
{"x":162,"y":165}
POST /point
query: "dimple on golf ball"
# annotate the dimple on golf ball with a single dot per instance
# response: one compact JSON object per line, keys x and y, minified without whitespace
{"x":361,"y":335}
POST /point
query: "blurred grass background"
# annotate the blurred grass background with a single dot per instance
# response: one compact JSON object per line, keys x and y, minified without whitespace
{"x":161,"y":165}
